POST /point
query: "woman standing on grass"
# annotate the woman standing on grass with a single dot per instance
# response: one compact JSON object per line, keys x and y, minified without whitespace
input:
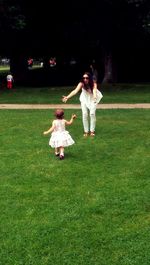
{"x":90,"y":96}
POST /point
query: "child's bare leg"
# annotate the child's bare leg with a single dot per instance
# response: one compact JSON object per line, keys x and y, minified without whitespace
{"x":57,"y":151}
{"x":61,"y":152}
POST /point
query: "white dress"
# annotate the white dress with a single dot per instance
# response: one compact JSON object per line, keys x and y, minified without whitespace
{"x":60,"y":137}
{"x":86,"y":97}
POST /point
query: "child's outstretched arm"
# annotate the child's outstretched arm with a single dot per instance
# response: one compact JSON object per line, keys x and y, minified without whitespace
{"x":71,"y":120}
{"x":50,"y":129}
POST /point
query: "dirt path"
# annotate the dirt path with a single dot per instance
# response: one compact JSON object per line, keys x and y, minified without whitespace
{"x":75,"y":106}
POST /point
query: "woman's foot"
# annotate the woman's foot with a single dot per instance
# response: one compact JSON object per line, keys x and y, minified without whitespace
{"x":85,"y":134}
{"x":92,"y":134}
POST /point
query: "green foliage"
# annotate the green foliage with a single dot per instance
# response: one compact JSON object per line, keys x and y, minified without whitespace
{"x":142,"y":9}
{"x":12,"y":16}
{"x":71,"y":25}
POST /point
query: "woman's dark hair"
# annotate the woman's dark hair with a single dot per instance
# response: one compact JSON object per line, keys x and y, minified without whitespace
{"x":59,"y":113}
{"x":90,"y":83}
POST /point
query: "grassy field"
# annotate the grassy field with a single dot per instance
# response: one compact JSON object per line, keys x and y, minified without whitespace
{"x":120,"y":93}
{"x":92,"y":208}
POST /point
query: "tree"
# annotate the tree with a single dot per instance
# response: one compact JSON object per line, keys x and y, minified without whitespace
{"x":130,"y":38}
{"x":12,"y":30}
{"x":108,"y":30}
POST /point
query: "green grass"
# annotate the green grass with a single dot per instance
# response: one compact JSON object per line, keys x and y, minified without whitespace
{"x":120,"y":93}
{"x":91,"y":208}
{"x":4,"y":68}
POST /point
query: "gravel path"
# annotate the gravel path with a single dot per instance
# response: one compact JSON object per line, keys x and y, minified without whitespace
{"x":75,"y":106}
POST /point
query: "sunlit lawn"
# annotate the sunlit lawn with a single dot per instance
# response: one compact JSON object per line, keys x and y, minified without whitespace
{"x":117,"y":93}
{"x":92,"y":208}
{"x":120,"y":93}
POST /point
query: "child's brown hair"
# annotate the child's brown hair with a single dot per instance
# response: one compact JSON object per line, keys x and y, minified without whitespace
{"x":59,"y":113}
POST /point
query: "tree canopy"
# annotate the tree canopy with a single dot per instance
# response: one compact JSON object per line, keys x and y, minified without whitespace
{"x":75,"y":27}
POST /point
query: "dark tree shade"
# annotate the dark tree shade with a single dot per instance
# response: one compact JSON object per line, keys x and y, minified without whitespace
{"x":119,"y":28}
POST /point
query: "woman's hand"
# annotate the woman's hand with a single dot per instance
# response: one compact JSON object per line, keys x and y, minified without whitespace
{"x":64,"y":99}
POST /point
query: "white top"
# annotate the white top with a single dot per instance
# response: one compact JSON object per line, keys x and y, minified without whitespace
{"x":87,"y":97}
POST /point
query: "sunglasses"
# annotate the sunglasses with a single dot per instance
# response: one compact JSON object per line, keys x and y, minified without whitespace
{"x":85,"y":77}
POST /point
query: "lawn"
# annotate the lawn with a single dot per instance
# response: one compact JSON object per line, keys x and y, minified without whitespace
{"x":120,"y":93}
{"x":92,"y":208}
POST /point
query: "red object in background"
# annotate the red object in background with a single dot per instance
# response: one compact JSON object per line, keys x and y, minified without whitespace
{"x":52,"y":62}
{"x":10,"y":81}
{"x":30,"y":62}
{"x":9,"y":84}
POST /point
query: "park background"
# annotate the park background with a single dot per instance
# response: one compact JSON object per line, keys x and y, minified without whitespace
{"x":113,"y":34}
{"x":93,"y":207}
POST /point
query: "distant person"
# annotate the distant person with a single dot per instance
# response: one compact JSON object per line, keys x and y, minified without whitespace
{"x":10,"y":81}
{"x":60,"y":138}
{"x":52,"y":62}
{"x":30,"y":62}
{"x":90,"y":96}
{"x":72,"y":61}
{"x":94,"y":72}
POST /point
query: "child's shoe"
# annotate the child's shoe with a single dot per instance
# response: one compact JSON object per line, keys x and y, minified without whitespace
{"x":61,"y":157}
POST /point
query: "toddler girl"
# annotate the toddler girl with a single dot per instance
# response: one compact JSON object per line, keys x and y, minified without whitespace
{"x":60,"y":138}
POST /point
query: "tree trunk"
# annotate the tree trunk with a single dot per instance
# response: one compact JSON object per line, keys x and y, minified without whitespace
{"x":110,"y":72}
{"x":18,"y":67}
{"x":107,"y":69}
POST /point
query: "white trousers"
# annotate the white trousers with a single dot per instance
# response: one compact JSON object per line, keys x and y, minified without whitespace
{"x":88,"y":117}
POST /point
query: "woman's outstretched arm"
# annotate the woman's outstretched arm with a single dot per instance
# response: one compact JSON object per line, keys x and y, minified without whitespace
{"x":72,"y":93}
